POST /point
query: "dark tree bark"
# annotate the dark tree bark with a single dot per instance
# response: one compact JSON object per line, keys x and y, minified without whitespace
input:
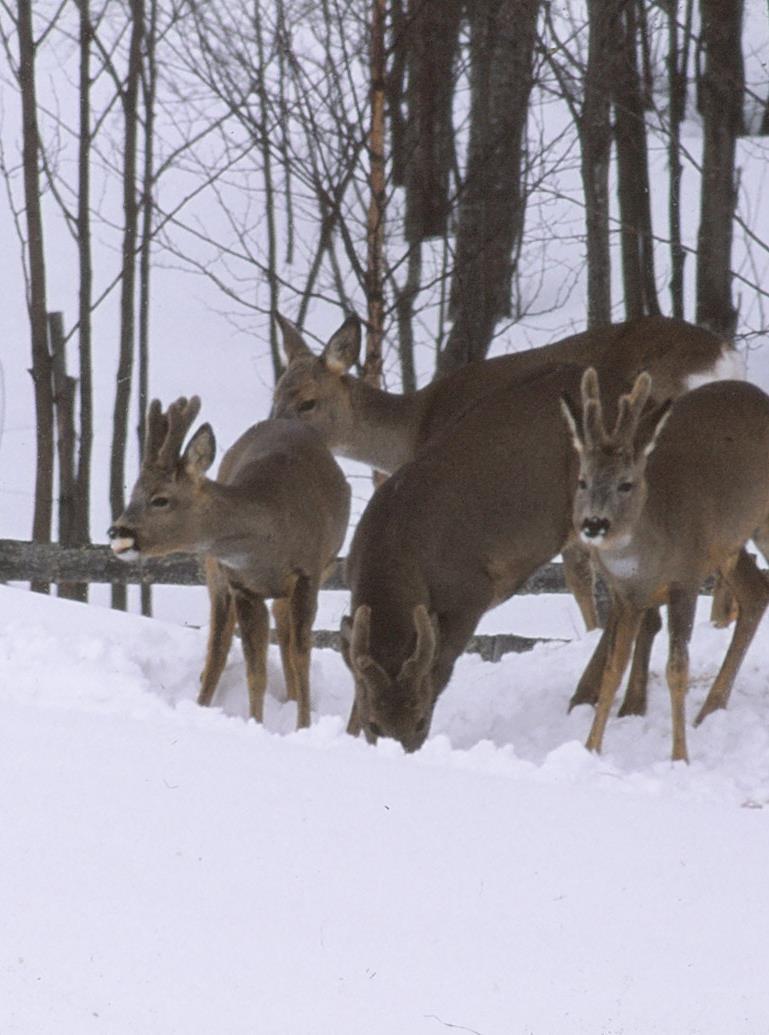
{"x":82,"y":529}
{"x":429,"y":160}
{"x":595,"y":140}
{"x":677,"y":65}
{"x":491,"y":211}
{"x":633,"y":172}
{"x":130,"y":94}
{"x":372,"y":367}
{"x":38,"y":315}
{"x":722,"y":89}
{"x":149,"y":90}
{"x":65,"y":388}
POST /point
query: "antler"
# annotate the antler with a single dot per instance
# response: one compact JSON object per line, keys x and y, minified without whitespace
{"x":157,"y":429}
{"x":593,"y":428}
{"x":420,"y":661}
{"x":631,"y":407}
{"x":166,"y":431}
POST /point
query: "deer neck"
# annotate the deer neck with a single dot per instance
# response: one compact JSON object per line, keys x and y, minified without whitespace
{"x":228,"y":521}
{"x":385,"y":426}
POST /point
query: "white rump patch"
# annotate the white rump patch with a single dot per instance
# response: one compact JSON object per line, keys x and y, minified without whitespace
{"x":730,"y":366}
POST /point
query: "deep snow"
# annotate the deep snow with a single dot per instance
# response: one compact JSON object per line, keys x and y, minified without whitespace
{"x":167,"y":868}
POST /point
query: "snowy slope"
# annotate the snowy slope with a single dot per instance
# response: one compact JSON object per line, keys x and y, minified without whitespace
{"x":171,"y":869}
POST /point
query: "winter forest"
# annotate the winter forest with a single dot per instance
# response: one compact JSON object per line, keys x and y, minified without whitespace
{"x":450,"y":171}
{"x":406,"y":197}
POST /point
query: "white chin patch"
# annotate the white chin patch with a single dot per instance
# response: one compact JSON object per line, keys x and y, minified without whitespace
{"x":125,"y":549}
{"x":593,"y":540}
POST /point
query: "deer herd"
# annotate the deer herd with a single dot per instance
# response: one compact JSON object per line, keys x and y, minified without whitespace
{"x":635,"y":451}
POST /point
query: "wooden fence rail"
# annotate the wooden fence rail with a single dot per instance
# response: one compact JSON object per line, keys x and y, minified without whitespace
{"x":50,"y":562}
{"x":25,"y":562}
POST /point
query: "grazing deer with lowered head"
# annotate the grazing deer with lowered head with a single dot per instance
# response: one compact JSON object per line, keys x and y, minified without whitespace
{"x":451,"y":534}
{"x":664,"y":499}
{"x":387,"y":430}
{"x":269,"y":527}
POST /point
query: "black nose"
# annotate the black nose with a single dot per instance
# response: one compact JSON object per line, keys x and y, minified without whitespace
{"x":593,"y":527}
{"x":119,"y":532}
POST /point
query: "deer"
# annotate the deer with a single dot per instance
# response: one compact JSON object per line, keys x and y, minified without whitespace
{"x":386,"y":430}
{"x":269,"y":527}
{"x":665,"y":498}
{"x":451,"y":534}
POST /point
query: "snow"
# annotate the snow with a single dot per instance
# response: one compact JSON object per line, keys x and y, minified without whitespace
{"x":168,"y":868}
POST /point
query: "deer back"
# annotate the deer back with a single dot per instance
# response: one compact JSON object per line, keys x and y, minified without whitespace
{"x":386,"y":429}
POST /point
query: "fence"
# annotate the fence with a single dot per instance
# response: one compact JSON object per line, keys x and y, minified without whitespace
{"x":23,"y":562}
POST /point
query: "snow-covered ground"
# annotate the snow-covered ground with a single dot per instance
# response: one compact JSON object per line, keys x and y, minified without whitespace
{"x":170,"y":869}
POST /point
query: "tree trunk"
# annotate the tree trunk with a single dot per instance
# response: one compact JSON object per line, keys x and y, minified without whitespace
{"x":633,"y":173}
{"x":722,"y":93}
{"x":678,"y":64}
{"x":128,"y":281}
{"x":82,"y":529}
{"x":429,"y":160}
{"x":149,"y":86}
{"x":38,"y":315}
{"x":595,"y":140}
{"x":491,"y":210}
{"x":65,"y":388}
{"x":372,"y":367}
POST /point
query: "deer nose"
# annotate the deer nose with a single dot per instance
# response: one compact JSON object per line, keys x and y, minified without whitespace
{"x":595,"y":527}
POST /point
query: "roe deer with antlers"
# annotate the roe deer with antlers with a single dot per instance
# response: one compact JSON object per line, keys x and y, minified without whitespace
{"x":664,"y":499}
{"x":451,"y":534}
{"x":270,"y":527}
{"x":386,"y":430}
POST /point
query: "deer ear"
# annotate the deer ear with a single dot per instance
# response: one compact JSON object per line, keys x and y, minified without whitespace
{"x":570,"y":415}
{"x":200,"y":452}
{"x":293,"y":343}
{"x":650,"y":426}
{"x":343,"y":347}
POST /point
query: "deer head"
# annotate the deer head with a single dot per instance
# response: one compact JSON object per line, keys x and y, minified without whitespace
{"x":611,"y":489}
{"x":163,"y":513}
{"x":314,"y":388}
{"x":397,"y":706}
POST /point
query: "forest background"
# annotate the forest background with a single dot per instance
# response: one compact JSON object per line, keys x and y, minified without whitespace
{"x":470,"y":177}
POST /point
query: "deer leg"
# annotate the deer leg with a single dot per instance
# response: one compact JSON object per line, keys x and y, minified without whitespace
{"x":723,"y":610}
{"x":304,"y":605}
{"x":354,"y":725}
{"x":590,"y":680}
{"x":681,"y":608}
{"x":635,"y":695}
{"x":751,"y":588}
{"x":624,"y":629}
{"x":580,"y":581}
{"x":220,"y":632}
{"x":254,"y":621}
{"x":282,"y":615}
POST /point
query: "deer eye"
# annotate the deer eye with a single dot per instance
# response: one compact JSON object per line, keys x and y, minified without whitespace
{"x":582,"y":484}
{"x":306,"y":406}
{"x":159,"y":501}
{"x":624,"y":486}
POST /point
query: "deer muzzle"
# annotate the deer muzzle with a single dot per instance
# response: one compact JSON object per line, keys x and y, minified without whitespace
{"x":595,"y":528}
{"x":123,"y":542}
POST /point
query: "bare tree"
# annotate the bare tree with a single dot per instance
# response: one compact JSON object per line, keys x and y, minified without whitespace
{"x":490,"y":215}
{"x":722,"y":88}
{"x":38,"y":309}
